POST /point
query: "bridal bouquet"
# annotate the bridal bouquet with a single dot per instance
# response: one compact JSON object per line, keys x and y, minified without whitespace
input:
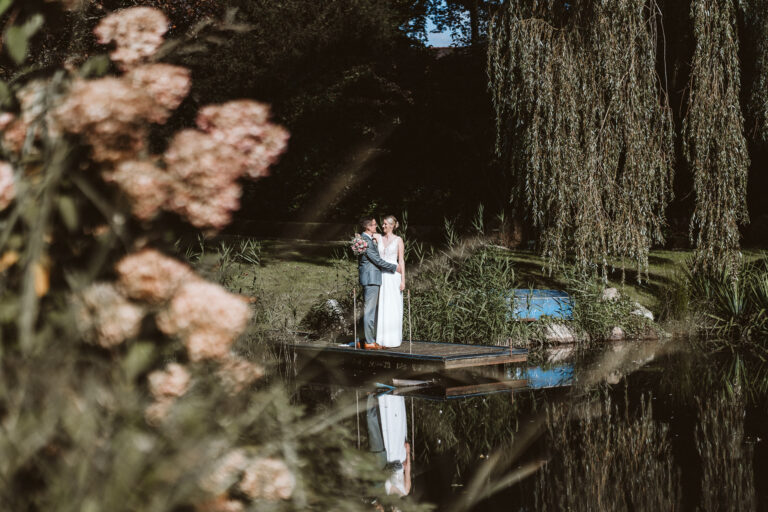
{"x":358,"y":245}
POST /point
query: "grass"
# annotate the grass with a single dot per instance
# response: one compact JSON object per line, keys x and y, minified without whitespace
{"x":289,"y":278}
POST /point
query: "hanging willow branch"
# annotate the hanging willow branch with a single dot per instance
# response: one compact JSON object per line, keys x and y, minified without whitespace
{"x":757,"y":19}
{"x":714,"y":140}
{"x":584,"y":125}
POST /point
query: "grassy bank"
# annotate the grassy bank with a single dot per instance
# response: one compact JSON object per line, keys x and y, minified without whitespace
{"x":292,"y":281}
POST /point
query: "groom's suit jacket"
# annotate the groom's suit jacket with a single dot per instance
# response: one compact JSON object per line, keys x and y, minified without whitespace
{"x":370,"y":264}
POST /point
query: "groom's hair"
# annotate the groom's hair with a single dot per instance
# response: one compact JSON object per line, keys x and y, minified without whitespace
{"x":365,"y":220}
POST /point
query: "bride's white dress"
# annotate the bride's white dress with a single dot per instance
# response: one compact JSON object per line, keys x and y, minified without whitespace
{"x":389,"y":324}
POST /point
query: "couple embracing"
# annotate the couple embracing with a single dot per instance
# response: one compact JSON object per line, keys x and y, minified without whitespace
{"x":382,"y":274}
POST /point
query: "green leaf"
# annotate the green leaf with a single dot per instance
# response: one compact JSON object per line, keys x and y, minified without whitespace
{"x":32,"y":25}
{"x":17,"y":43}
{"x":4,"y":5}
{"x":138,"y":359}
{"x":95,"y":67}
{"x":68,"y":212}
{"x":5,"y":94}
{"x":17,"y":37}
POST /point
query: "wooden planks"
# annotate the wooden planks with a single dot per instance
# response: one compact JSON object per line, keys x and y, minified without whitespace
{"x":418,"y":356}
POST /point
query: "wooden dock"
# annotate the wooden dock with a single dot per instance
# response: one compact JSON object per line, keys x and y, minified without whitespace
{"x":419,"y":356}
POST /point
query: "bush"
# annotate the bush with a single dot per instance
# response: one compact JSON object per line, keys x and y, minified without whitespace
{"x":461,"y":297}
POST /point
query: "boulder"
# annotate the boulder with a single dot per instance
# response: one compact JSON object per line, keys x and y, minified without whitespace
{"x":641,"y":310}
{"x":559,"y":333}
{"x":617,"y":334}
{"x":610,"y":294}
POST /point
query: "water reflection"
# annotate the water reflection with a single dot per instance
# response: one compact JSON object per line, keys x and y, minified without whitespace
{"x":387,"y":432}
{"x":631,"y":427}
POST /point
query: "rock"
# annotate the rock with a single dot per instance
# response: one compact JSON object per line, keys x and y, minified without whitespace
{"x":610,"y":294}
{"x":559,"y":354}
{"x":617,"y":334}
{"x":559,"y":333}
{"x":641,"y":310}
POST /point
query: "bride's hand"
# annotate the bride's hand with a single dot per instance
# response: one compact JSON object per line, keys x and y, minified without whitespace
{"x":402,"y":286}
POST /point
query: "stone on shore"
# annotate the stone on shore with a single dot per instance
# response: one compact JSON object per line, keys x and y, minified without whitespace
{"x":641,"y":310}
{"x":559,"y":333}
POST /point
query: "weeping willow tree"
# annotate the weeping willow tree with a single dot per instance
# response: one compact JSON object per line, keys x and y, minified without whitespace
{"x":584,"y":126}
{"x":713,"y":132}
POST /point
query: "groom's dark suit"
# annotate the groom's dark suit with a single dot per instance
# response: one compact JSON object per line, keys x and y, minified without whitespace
{"x":369,"y":267}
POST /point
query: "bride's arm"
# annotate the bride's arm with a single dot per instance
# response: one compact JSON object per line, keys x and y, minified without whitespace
{"x":401,"y":261}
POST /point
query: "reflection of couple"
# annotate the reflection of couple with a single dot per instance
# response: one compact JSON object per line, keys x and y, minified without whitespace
{"x":382,"y":275}
{"x":387,"y":429}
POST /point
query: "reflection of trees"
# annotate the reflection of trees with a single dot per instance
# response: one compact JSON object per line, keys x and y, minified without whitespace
{"x":468,"y":429}
{"x":609,"y":460}
{"x":727,"y":482}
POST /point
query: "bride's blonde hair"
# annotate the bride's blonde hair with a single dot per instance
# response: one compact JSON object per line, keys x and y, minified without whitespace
{"x":392,"y":220}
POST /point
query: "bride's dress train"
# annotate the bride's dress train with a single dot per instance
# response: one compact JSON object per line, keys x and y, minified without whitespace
{"x":389,"y":324}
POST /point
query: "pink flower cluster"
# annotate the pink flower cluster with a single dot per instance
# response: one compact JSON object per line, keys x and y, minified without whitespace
{"x":258,"y":478}
{"x":166,"y":386}
{"x":152,"y":277}
{"x":105,"y":316}
{"x":243,"y":125}
{"x":112,"y":113}
{"x":7,"y":185}
{"x":137,"y":33}
{"x":206,"y":318}
{"x":237,"y":373}
{"x":358,"y":245}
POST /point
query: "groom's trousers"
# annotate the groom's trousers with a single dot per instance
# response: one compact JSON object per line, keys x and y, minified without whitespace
{"x":371,"y":298}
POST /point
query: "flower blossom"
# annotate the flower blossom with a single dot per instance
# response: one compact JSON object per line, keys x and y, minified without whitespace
{"x":236,"y":373}
{"x":14,"y":133}
{"x":166,"y":84}
{"x":226,"y":472}
{"x":204,"y":171}
{"x":106,"y":317}
{"x":110,"y":115}
{"x":172,"y":382}
{"x":206,"y":318}
{"x":146,"y":185}
{"x":7,"y":185}
{"x":268,"y":479}
{"x":243,"y":125}
{"x":137,"y":33}
{"x":150,"y":276}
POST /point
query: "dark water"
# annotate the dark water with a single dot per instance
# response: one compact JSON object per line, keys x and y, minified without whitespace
{"x":637,"y":426}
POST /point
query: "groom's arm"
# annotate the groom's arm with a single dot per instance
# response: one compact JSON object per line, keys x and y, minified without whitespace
{"x":373,"y":255}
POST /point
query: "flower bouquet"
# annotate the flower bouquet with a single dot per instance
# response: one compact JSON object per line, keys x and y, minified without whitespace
{"x":358,"y":245}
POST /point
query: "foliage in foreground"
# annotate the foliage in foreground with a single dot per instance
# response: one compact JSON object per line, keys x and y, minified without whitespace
{"x":122,"y":383}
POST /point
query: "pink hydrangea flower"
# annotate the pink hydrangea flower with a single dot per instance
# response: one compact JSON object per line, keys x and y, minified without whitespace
{"x":110,"y":115}
{"x":146,"y":185}
{"x":137,"y":33}
{"x":167,"y":85}
{"x":150,"y":276}
{"x":171,"y":382}
{"x":7,"y":185}
{"x":204,"y":189}
{"x":237,"y":373}
{"x":243,"y":124}
{"x":267,"y":479}
{"x":206,"y":318}
{"x":105,"y":316}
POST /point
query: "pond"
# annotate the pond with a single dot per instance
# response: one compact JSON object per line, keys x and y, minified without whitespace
{"x":632,"y":426}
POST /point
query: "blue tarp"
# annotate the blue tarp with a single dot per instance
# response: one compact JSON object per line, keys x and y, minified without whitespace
{"x":533,"y":304}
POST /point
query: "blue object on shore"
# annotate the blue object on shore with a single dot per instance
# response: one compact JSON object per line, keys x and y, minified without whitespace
{"x":531,"y":304}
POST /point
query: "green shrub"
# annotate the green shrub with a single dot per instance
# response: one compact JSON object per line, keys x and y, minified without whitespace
{"x":462,"y":297}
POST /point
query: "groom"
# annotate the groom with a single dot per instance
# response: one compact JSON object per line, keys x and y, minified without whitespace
{"x":369,"y":266}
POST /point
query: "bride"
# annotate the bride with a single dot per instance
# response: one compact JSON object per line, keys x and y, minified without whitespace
{"x":389,"y":324}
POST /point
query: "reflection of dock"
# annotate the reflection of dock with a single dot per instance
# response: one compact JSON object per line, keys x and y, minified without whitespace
{"x":413,"y":357}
